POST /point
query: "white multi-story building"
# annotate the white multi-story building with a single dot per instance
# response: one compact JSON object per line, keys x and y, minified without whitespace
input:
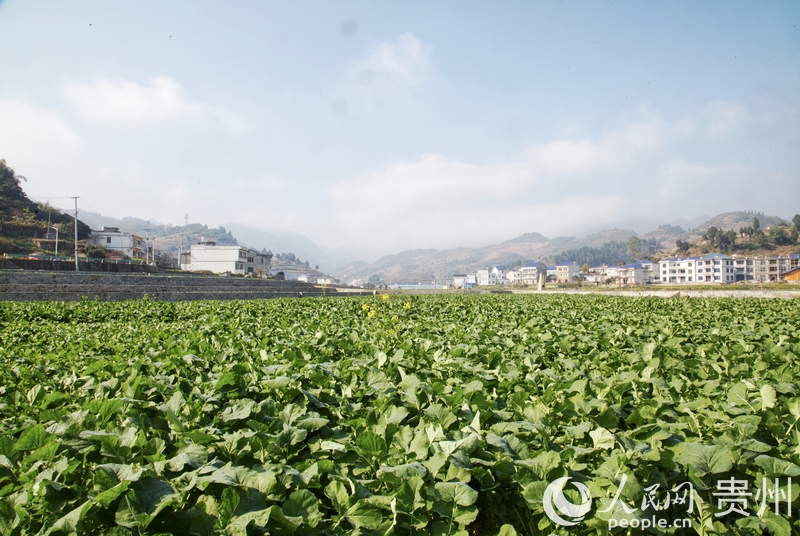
{"x":565,"y":271}
{"x":486,"y":277}
{"x":499,"y":274}
{"x":764,"y":269}
{"x":131,"y":245}
{"x":635,"y":273}
{"x":530,"y":273}
{"x":713,"y":268}
{"x":221,"y":259}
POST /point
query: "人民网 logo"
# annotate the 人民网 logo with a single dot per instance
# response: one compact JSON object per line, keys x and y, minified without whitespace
{"x":555,"y":503}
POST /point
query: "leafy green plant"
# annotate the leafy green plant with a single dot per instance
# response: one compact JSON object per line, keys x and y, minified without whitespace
{"x":396,"y":414}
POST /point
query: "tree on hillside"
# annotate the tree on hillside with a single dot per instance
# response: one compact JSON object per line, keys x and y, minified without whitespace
{"x":711,"y":236}
{"x":756,"y":224}
{"x":634,"y":245}
{"x":778,"y":235}
{"x":11,"y":194}
{"x":683,"y":246}
{"x":796,"y":221}
{"x":585,"y":269}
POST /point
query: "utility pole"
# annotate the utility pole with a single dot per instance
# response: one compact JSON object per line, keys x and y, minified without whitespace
{"x":147,"y":246}
{"x":56,"y":228}
{"x":76,"y":234}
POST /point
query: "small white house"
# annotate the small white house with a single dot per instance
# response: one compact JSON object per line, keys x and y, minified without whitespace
{"x":459,"y":280}
{"x":129,"y":244}
{"x":220,"y":259}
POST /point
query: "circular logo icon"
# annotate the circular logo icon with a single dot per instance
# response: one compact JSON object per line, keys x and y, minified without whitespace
{"x":555,"y":503}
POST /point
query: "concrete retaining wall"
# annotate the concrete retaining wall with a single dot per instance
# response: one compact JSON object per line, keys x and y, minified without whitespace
{"x":69,"y":266}
{"x":71,"y":286}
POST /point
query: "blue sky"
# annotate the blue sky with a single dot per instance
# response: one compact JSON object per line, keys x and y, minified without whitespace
{"x":387,"y":126}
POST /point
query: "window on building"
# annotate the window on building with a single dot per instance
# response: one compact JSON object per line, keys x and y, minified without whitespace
{"x":108,"y":240}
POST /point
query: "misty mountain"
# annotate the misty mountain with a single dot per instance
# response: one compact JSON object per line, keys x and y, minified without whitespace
{"x":426,"y":265}
{"x":422,"y":265}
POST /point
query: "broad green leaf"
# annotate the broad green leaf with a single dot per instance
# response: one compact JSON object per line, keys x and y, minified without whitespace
{"x":303,"y":504}
{"x":602,"y":438}
{"x":738,"y":396}
{"x":364,"y":515}
{"x":776,"y":467}
{"x":705,"y":458}
{"x":148,"y":497}
{"x":507,"y":530}
{"x":338,"y":495}
{"x":456,"y":492}
{"x":32,"y":438}
{"x":238,"y":410}
{"x":768,"y":396}
{"x":71,"y":522}
{"x":371,"y":444}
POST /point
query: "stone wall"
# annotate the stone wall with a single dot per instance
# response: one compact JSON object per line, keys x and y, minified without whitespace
{"x":69,"y":266}
{"x":72,"y":286}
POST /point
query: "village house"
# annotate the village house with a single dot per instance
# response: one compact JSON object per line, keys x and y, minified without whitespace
{"x":207,"y":255}
{"x":128,"y":244}
{"x":531,"y":272}
{"x":566,"y":271}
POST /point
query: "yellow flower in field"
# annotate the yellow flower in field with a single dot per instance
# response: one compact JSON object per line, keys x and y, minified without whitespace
{"x":395,"y":318}
{"x":385,"y":297}
{"x":407,"y":305}
{"x":371,"y":313}
{"x":364,"y":307}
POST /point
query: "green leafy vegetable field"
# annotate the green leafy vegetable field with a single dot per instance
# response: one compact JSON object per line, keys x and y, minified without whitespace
{"x":400,"y":415}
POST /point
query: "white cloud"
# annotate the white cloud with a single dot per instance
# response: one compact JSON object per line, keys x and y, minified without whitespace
{"x":557,"y":188}
{"x":38,"y":143}
{"x":394,"y":68}
{"x":161,"y":101}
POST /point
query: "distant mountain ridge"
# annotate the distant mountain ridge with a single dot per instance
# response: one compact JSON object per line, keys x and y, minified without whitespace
{"x":427,"y":265}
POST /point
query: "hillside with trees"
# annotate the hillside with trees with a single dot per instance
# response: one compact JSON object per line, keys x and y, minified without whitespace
{"x":28,"y":227}
{"x":754,"y":239}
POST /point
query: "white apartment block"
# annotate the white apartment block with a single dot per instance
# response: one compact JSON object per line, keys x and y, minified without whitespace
{"x":713,"y":268}
{"x":131,"y":245}
{"x":221,"y":259}
{"x":764,"y":269}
